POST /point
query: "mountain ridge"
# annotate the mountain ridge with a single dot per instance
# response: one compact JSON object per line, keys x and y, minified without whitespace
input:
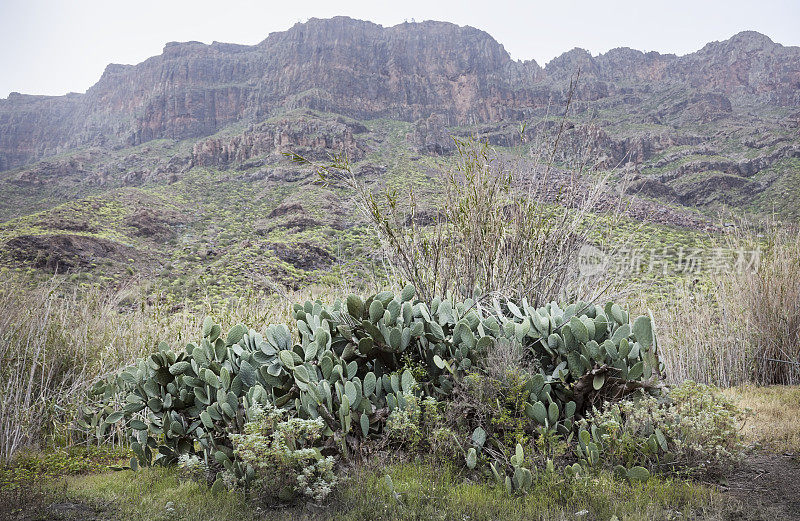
{"x":360,"y":69}
{"x":749,"y":34}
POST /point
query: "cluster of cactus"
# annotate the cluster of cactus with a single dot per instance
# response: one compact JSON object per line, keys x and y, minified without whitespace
{"x":99,"y":405}
{"x":171,"y":403}
{"x":347,"y":369}
{"x":355,"y":361}
{"x":590,"y":447}
{"x":587,"y":354}
{"x":350,"y":365}
{"x":521,"y":478}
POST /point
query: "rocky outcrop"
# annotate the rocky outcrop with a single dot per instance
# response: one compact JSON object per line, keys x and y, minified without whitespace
{"x":304,"y":255}
{"x":316,"y":137}
{"x":742,"y":168}
{"x":35,"y":126}
{"x":63,"y":253}
{"x":289,"y":216}
{"x":714,"y":187}
{"x":339,"y":65}
{"x":431,"y":135}
{"x":77,"y":166}
{"x":749,"y":67}
{"x":154,"y":223}
{"x":410,"y":72}
{"x":697,"y":108}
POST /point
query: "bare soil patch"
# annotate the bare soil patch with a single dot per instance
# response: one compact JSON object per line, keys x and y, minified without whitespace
{"x":768,"y":486}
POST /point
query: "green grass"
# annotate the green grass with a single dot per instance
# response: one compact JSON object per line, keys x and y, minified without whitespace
{"x":146,"y":495}
{"x":31,"y":466}
{"x":423,"y":492}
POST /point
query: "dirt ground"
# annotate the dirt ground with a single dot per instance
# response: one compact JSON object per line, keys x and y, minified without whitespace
{"x":768,"y":486}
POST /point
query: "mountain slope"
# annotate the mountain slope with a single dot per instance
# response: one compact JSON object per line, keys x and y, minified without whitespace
{"x":174,"y":168}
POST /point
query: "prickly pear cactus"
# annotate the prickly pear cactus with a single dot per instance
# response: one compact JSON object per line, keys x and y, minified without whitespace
{"x":348,"y":363}
{"x":587,"y":354}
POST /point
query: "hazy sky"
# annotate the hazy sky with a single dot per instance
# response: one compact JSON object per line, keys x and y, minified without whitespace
{"x":58,"y":46}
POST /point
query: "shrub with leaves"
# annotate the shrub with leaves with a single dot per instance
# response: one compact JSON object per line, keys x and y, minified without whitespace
{"x":403,"y":424}
{"x":414,"y":424}
{"x":502,"y":225}
{"x":193,"y":468}
{"x":495,"y":403}
{"x":692,"y":428}
{"x":285,"y":455}
{"x":706,"y":426}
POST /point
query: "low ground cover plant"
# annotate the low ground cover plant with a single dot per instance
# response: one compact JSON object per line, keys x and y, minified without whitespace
{"x":691,"y":429}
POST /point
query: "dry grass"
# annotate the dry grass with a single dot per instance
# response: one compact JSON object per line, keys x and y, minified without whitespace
{"x":743,"y":326}
{"x":697,"y":343}
{"x":769,"y":299}
{"x":775,"y":419}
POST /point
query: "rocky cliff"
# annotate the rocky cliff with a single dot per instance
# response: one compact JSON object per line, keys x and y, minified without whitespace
{"x":410,"y":72}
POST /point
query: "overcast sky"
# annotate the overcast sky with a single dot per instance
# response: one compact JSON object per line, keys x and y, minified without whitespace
{"x":58,"y":46}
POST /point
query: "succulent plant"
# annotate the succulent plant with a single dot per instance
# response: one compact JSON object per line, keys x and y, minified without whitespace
{"x":349,"y":365}
{"x":585,"y":352}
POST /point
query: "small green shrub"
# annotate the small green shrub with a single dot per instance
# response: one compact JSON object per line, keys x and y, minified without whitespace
{"x":706,"y":426}
{"x":512,"y":395}
{"x":495,"y":403}
{"x":193,"y":468}
{"x":444,"y":446}
{"x":412,"y":425}
{"x":285,"y":455}
{"x":548,"y":446}
{"x":403,"y":424}
{"x":693,"y":428}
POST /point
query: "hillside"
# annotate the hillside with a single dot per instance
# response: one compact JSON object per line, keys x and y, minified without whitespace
{"x":174,"y":167}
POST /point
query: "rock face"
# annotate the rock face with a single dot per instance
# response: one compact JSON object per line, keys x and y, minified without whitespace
{"x":430,"y":135}
{"x":306,"y":135}
{"x":412,"y":72}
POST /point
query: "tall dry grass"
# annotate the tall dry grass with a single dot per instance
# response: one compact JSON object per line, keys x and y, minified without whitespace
{"x":697,"y":342}
{"x":769,"y":300}
{"x":54,"y":342}
{"x":744,"y":325}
